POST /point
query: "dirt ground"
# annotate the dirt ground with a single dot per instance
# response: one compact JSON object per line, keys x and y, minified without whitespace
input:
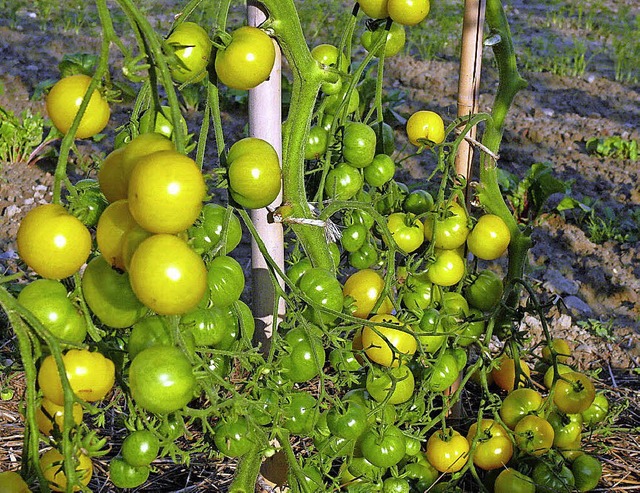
{"x":595,"y":285}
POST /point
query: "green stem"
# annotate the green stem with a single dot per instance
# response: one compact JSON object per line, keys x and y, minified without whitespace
{"x":307,"y":78}
{"x":489,"y":193}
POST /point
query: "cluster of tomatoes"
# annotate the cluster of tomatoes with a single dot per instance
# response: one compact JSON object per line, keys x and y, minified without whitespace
{"x":364,"y":366}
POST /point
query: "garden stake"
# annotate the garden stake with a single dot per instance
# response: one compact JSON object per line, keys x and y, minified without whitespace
{"x":265,"y":122}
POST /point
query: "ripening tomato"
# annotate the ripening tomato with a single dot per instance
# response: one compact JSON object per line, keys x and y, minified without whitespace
{"x":140,"y":448}
{"x":447,"y":450}
{"x":50,"y":414}
{"x":377,"y":9}
{"x":64,"y":100}
{"x":407,"y":231}
{"x":383,"y":447}
{"x":430,"y":333}
{"x":12,"y":482}
{"x":567,"y":428}
{"x":489,"y":238}
{"x":493,"y":448}
{"x":447,"y":269}
{"x":52,"y":242}
{"x":47,"y":300}
{"x":247,"y":60}
{"x":561,"y":348}
{"x":161,"y":379}
{"x":139,"y":147}
{"x":391,"y":385}
{"x":192,"y":48}
{"x":343,"y":182}
{"x":394,"y":43}
{"x":167,"y":275}
{"x":533,"y":435}
{"x":485,"y":290}
{"x":165,"y":192}
{"x":447,"y":229}
{"x":327,"y":56}
{"x":385,"y":345}
{"x":254,"y":173}
{"x":512,"y":481}
{"x":587,"y":471}
{"x":551,"y":478}
{"x":380,"y":171}
{"x":114,"y":223}
{"x":90,"y":374}
{"x":109,"y":295}
{"x":358,"y":144}
{"x":574,"y":392}
{"x":317,"y":142}
{"x":597,"y":411}
{"x":550,"y":374}
{"x":322,"y":287}
{"x":519,"y":403}
{"x":212,"y":226}
{"x":425,"y":128}
{"x":51,"y":465}
{"x":504,"y":374}
{"x":365,"y":287}
{"x":125,"y":475}
{"x":111,"y":176}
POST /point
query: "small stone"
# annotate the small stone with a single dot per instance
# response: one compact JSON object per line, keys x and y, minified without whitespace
{"x":577,"y":306}
{"x":557,"y":283}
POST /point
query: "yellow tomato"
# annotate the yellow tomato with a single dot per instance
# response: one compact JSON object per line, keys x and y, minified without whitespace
{"x":386,"y":345}
{"x":365,"y":287}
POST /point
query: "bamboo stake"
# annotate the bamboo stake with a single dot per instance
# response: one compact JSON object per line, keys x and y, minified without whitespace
{"x":265,"y":122}
{"x":469,"y":82}
{"x":468,"y":92}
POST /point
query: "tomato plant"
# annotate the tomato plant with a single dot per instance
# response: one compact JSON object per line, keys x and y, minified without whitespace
{"x":12,"y":482}
{"x":385,"y":345}
{"x":165,"y":192}
{"x":574,"y":392}
{"x":91,"y":376}
{"x":253,"y":170}
{"x":425,"y":128}
{"x":247,"y":60}
{"x":365,"y":287}
{"x":167,"y":275}
{"x":489,"y":238}
{"x":447,"y":450}
{"x":126,"y":475}
{"x":493,"y":448}
{"x":50,"y":463}
{"x":52,"y":242}
{"x":161,"y":379}
{"x":64,"y":101}
{"x":191,"y":46}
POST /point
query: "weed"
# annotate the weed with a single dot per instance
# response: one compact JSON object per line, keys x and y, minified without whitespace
{"x":599,"y":328}
{"x":613,"y":147}
{"x":19,"y":136}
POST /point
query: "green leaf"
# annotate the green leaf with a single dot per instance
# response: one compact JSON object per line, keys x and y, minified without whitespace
{"x":542,"y":184}
{"x":77,"y":63}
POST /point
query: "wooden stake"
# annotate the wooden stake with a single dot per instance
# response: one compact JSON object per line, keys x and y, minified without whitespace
{"x":468,"y":92}
{"x":265,"y":122}
{"x":469,"y":83}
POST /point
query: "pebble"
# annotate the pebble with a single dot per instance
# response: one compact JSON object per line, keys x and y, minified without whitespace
{"x":578,"y":306}
{"x":557,"y":283}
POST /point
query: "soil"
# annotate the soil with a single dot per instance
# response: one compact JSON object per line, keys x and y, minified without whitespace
{"x":595,"y":287}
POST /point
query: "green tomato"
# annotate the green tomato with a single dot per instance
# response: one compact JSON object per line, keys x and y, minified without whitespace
{"x":358,"y":144}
